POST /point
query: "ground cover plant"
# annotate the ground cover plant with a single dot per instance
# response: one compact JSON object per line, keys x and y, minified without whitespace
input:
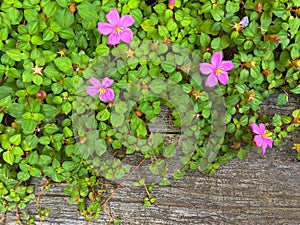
{"x":81,"y":82}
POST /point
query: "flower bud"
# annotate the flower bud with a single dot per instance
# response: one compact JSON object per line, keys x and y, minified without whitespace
{"x":266,"y":72}
{"x":259,"y":7}
{"x":138,"y":113}
{"x":72,"y":7}
{"x":40,"y":96}
{"x":272,"y":38}
{"x":171,"y":4}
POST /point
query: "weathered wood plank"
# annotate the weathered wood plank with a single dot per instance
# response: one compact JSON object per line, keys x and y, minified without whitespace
{"x":256,"y":190}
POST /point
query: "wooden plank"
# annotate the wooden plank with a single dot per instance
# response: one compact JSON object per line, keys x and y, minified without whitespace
{"x":256,"y":190}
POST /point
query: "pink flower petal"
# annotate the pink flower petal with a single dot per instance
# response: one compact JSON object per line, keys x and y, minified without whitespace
{"x":107,"y":96}
{"x":216,"y":59}
{"x":211,"y":81}
{"x":258,"y":140}
{"x":127,"y":21}
{"x":269,"y":142}
{"x":105,"y":28}
{"x":107,"y":82}
{"x":113,"y":17}
{"x":256,"y":129}
{"x":126,"y":35}
{"x":92,"y":90}
{"x":114,"y":39}
{"x":223,"y":78}
{"x":263,"y":148}
{"x":227,"y":65}
{"x":205,"y":68}
{"x":262,"y":128}
{"x":110,"y":94}
{"x":95,"y":82}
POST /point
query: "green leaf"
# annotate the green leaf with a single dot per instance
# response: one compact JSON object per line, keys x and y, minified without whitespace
{"x":282,"y":99}
{"x":32,"y":89}
{"x":6,"y":102}
{"x":242,"y":154}
{"x":170,"y":151}
{"x":30,"y":15}
{"x":33,"y":158}
{"x":9,"y":157}
{"x":168,"y":67}
{"x":28,"y":126}
{"x":146,"y":25}
{"x":64,"y":17}
{"x":171,"y":25}
{"x":232,"y":7}
{"x":50,"y":111}
{"x":15,"y":140}
{"x":35,"y":172}
{"x":116,"y":119}
{"x":16,"y":54}
{"x":216,"y":43}
{"x":160,"y":8}
{"x":63,"y":63}
{"x":204,"y":39}
{"x":37,"y":79}
{"x":66,"y":108}
{"x":50,"y":128}
{"x":100,"y":146}
{"x":296,"y":90}
{"x":23,"y":176}
{"x":102,"y":50}
{"x":69,"y":165}
{"x":162,"y":31}
{"x":103,"y":115}
{"x":176,"y":77}
{"x":121,"y":107}
{"x":45,"y":140}
{"x":13,"y":73}
{"x":50,"y":9}
{"x":87,"y":11}
{"x":217,"y":14}
{"x":157,"y":86}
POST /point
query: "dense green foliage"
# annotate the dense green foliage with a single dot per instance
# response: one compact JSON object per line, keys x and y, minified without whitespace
{"x":51,"y":128}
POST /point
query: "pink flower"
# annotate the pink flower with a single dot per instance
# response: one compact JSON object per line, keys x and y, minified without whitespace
{"x":105,"y":93}
{"x":117,"y":27}
{"x":262,"y":139}
{"x":217,"y":70}
{"x":172,"y":2}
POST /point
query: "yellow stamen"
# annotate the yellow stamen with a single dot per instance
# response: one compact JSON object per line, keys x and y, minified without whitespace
{"x":267,"y":135}
{"x":218,"y":71}
{"x":102,"y":90}
{"x":118,"y":30}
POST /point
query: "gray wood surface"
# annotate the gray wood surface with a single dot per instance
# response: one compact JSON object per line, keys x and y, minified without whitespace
{"x":261,"y":189}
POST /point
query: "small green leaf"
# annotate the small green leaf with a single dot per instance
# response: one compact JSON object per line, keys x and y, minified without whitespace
{"x":35,"y":172}
{"x":296,"y":90}
{"x":116,"y":119}
{"x":15,"y":140}
{"x":63,"y":63}
{"x":157,"y":86}
{"x":170,"y":151}
{"x":28,"y":126}
{"x":121,"y":107}
{"x":87,"y":11}
{"x":23,"y":176}
{"x":160,"y":8}
{"x":16,"y":54}
{"x":9,"y":157}
{"x":282,"y":99}
{"x":69,"y":165}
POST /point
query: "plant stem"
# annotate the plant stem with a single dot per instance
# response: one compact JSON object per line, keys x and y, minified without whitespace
{"x":117,"y":188}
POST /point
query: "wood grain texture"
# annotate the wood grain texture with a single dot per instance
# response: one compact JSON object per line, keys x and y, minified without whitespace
{"x":256,"y":190}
